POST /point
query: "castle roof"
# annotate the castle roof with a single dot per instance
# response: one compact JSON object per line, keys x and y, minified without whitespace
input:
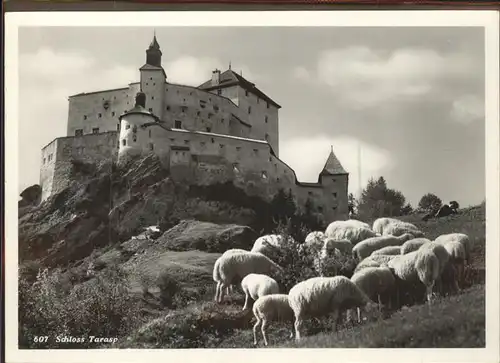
{"x":231,"y":78}
{"x":154,"y":43}
{"x":139,"y":110}
{"x":333,"y":166}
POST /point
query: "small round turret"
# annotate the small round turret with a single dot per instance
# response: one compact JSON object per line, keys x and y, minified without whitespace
{"x":134,"y":137}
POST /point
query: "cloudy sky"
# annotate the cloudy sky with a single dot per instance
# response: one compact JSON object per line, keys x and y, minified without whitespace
{"x":412,"y":99}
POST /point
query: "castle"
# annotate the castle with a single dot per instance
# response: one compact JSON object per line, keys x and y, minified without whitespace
{"x":226,"y":129}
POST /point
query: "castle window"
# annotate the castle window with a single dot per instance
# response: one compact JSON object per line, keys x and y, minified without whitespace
{"x":334,"y":180}
{"x":267,"y":137}
{"x":152,"y":97}
{"x":79,"y":132}
{"x":213,"y":140}
{"x":209,"y":129}
{"x":99,"y":115}
{"x":151,"y":146}
{"x":168,"y":108}
{"x":320,"y":209}
{"x":268,"y":105}
{"x":134,"y":138}
{"x":150,"y":78}
{"x":249,"y":109}
{"x":44,"y":160}
{"x":258,"y":99}
{"x":246,"y":93}
{"x":267,"y":119}
{"x":210,"y":115}
{"x":203,"y":103}
{"x":334,"y":195}
{"x":270,"y":159}
{"x":178,"y":124}
{"x":264,"y":175}
{"x":203,"y":143}
{"x":150,"y":133}
{"x":278,"y":179}
{"x":219,"y":92}
{"x":255,"y":151}
{"x":95,"y":130}
{"x":127,"y":126}
{"x":150,"y":109}
{"x":198,"y":113}
{"x":154,"y":84}
{"x":134,"y":129}
{"x":221,"y":146}
{"x":172,"y":140}
{"x":238,"y":148}
{"x":216,"y":108}
{"x":221,"y":120}
{"x":166,"y":89}
{"x":183,"y":108}
{"x":124,"y":142}
{"x":112,"y":113}
{"x":186,"y":142}
{"x":84,"y":117}
{"x":310,"y":193}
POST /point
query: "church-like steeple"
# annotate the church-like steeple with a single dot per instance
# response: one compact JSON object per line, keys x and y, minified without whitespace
{"x":153,"y":53}
{"x":333,"y":165}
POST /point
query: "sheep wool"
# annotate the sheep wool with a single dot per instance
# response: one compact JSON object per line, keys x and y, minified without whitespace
{"x":458,"y":237}
{"x":413,"y":245}
{"x":231,"y":269}
{"x":313,"y":243}
{"x":389,"y":250}
{"x":398,"y":228}
{"x":229,"y":289}
{"x":343,"y":245}
{"x":319,"y":296}
{"x":380,"y":223}
{"x":274,"y":307}
{"x":257,"y":285}
{"x":349,"y":222}
{"x":348,"y":232}
{"x":373,"y":261}
{"x":366,"y":247}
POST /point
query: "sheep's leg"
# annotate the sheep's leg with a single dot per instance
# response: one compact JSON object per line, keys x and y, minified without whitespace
{"x":217,"y":288}
{"x":222,"y":290}
{"x":255,"y":327}
{"x":298,"y":325}
{"x":291,"y":334}
{"x":246,"y":300}
{"x":359,"y":314}
{"x":336,"y":316}
{"x":429,"y":292}
{"x":263,"y":329}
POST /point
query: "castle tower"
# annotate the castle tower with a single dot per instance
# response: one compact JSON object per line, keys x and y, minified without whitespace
{"x":334,"y":180}
{"x":154,"y":79}
{"x":135,"y":138}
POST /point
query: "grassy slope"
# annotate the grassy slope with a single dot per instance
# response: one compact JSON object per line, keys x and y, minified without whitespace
{"x":456,"y":321}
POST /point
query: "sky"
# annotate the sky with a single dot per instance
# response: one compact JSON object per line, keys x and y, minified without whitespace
{"x":411,"y":99}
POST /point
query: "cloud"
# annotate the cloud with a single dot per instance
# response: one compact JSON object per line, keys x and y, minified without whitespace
{"x":307,"y":157}
{"x":301,"y":73}
{"x":363,"y":77}
{"x":467,"y":109}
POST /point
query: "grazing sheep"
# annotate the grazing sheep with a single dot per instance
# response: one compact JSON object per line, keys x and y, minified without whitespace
{"x":373,"y":261}
{"x":318,"y":296}
{"x":459,"y":237}
{"x":313,"y":243}
{"x":380,"y":223}
{"x":400,"y":228}
{"x":413,"y":245}
{"x":274,"y":307}
{"x":232,"y":268}
{"x":349,"y":232}
{"x":267,"y":243}
{"x":366,"y":247}
{"x":229,"y":289}
{"x":343,"y":245}
{"x":325,"y":263}
{"x":389,"y":250}
{"x":374,"y":282}
{"x":456,"y":250}
{"x":349,"y":222}
{"x":257,"y":285}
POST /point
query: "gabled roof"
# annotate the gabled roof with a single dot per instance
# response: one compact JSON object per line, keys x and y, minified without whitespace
{"x":231,"y":78}
{"x":333,"y":166}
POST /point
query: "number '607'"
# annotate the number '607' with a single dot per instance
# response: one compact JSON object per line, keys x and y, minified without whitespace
{"x":41,"y":339}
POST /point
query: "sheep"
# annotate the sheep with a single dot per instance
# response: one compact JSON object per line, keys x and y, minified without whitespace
{"x":266,"y":243}
{"x":318,"y":296}
{"x":326,"y":260}
{"x":413,"y":245}
{"x":457,"y":254}
{"x":313,"y":242}
{"x":343,"y":245}
{"x":373,"y":261}
{"x":374,"y":282}
{"x":350,"y":222}
{"x":366,"y":247}
{"x":351,"y":233}
{"x":234,"y":267}
{"x":380,"y":223}
{"x":459,"y":237}
{"x":257,"y":285}
{"x":400,"y":228}
{"x":229,"y":289}
{"x":389,"y":250}
{"x":274,"y":307}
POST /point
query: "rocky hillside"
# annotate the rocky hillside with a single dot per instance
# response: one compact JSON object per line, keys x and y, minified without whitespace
{"x":105,"y":206}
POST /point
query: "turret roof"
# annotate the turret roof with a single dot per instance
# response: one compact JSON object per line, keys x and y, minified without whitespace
{"x":333,"y":166}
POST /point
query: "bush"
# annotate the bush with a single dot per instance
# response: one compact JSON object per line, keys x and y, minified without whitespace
{"x":53,"y":307}
{"x":169,"y":289}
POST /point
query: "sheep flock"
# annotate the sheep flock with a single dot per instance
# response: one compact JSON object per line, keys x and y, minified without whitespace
{"x":391,"y":258}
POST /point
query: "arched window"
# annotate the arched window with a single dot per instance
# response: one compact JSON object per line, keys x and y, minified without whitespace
{"x":134,"y":138}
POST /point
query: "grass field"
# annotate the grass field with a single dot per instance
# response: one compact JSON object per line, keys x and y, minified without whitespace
{"x":453,"y":321}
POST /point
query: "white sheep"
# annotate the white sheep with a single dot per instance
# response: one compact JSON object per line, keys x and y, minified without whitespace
{"x":373,"y":261}
{"x":413,"y":245}
{"x":257,"y":285}
{"x":366,"y":247}
{"x":459,"y":237}
{"x":343,"y":245}
{"x":398,"y":228}
{"x":380,"y":223}
{"x":350,"y":222}
{"x":389,"y":250}
{"x":374,"y":282}
{"x":456,"y":250}
{"x":352,"y":233}
{"x":229,"y":289}
{"x":274,"y":307}
{"x":232,"y":268}
{"x":322,"y":261}
{"x":319,"y":296}
{"x":267,"y":243}
{"x":313,"y":243}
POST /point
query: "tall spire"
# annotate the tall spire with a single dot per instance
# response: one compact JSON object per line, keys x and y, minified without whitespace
{"x":153,"y":53}
{"x":229,"y":65}
{"x":333,"y":165}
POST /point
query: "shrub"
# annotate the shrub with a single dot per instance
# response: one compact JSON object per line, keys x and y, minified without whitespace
{"x":169,"y":288}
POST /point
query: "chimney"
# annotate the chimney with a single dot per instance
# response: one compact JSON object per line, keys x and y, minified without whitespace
{"x":215,"y":77}
{"x":140,"y":99}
